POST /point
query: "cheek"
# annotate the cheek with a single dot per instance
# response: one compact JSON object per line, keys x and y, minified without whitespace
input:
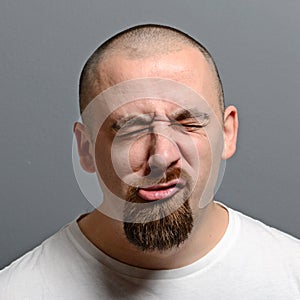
{"x":115,"y":160}
{"x":138,"y":154}
{"x":205,"y":159}
{"x":209,"y":151}
{"x":105,"y":167}
{"x":196,"y":151}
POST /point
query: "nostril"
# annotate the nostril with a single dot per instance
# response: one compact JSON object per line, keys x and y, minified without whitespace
{"x":156,"y":172}
{"x":157,"y":166}
{"x":157,"y":161}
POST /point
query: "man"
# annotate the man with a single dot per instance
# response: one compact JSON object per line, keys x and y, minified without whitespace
{"x":156,"y":133}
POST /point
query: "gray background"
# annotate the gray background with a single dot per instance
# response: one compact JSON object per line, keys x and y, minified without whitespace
{"x":43,"y":45}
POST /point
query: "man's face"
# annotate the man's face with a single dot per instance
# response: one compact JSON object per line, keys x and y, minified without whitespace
{"x":187,"y":67}
{"x":157,"y":152}
{"x":144,"y":142}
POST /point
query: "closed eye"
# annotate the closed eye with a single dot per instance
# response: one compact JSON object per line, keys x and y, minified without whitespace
{"x":132,"y":131}
{"x":187,"y":127}
{"x":132,"y":125}
{"x":192,"y":124}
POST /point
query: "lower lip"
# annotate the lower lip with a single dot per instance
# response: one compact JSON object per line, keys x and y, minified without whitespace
{"x":159,"y":194}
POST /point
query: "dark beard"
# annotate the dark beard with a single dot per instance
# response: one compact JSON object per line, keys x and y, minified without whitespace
{"x":170,"y":228}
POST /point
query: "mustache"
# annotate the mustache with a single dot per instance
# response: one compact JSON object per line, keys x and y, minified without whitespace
{"x":138,"y":210}
{"x":171,"y":174}
{"x":175,"y":173}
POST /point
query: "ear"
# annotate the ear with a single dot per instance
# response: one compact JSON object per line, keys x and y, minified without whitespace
{"x":84,"y":147}
{"x":230,"y":131}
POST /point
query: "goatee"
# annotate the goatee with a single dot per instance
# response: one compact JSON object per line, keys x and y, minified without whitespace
{"x":172,"y":218}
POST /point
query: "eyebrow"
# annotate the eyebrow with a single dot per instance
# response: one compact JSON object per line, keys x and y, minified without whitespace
{"x":146,"y":119}
{"x":183,"y":114}
{"x":131,"y":120}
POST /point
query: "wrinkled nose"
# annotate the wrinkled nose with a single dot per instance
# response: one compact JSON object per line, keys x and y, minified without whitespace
{"x":164,"y":154}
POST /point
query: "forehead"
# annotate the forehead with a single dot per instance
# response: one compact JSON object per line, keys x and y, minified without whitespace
{"x":156,"y":96}
{"x":187,"y":66}
{"x":153,"y":107}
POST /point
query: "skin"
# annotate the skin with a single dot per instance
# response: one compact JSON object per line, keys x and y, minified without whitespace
{"x":186,"y":66}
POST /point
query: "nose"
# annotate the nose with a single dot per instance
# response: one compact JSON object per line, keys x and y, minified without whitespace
{"x":163,"y":155}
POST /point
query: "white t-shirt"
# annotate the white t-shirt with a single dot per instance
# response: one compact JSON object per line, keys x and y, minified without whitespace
{"x":252,"y":261}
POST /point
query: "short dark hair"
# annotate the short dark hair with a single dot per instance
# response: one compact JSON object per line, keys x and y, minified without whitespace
{"x":137,"y":42}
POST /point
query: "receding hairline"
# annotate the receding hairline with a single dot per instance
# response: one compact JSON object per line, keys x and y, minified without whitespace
{"x":139,"y":42}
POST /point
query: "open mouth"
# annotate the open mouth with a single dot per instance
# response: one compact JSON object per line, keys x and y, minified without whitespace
{"x":161,"y":191}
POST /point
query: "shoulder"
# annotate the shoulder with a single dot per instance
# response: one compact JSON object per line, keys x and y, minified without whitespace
{"x":263,"y":257}
{"x":27,"y":273}
{"x":253,"y":226}
{"x":266,"y":240}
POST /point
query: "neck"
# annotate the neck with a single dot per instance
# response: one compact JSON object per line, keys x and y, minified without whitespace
{"x":107,"y":235}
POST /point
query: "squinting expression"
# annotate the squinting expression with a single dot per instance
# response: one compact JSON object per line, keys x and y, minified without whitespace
{"x":147,"y":128}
